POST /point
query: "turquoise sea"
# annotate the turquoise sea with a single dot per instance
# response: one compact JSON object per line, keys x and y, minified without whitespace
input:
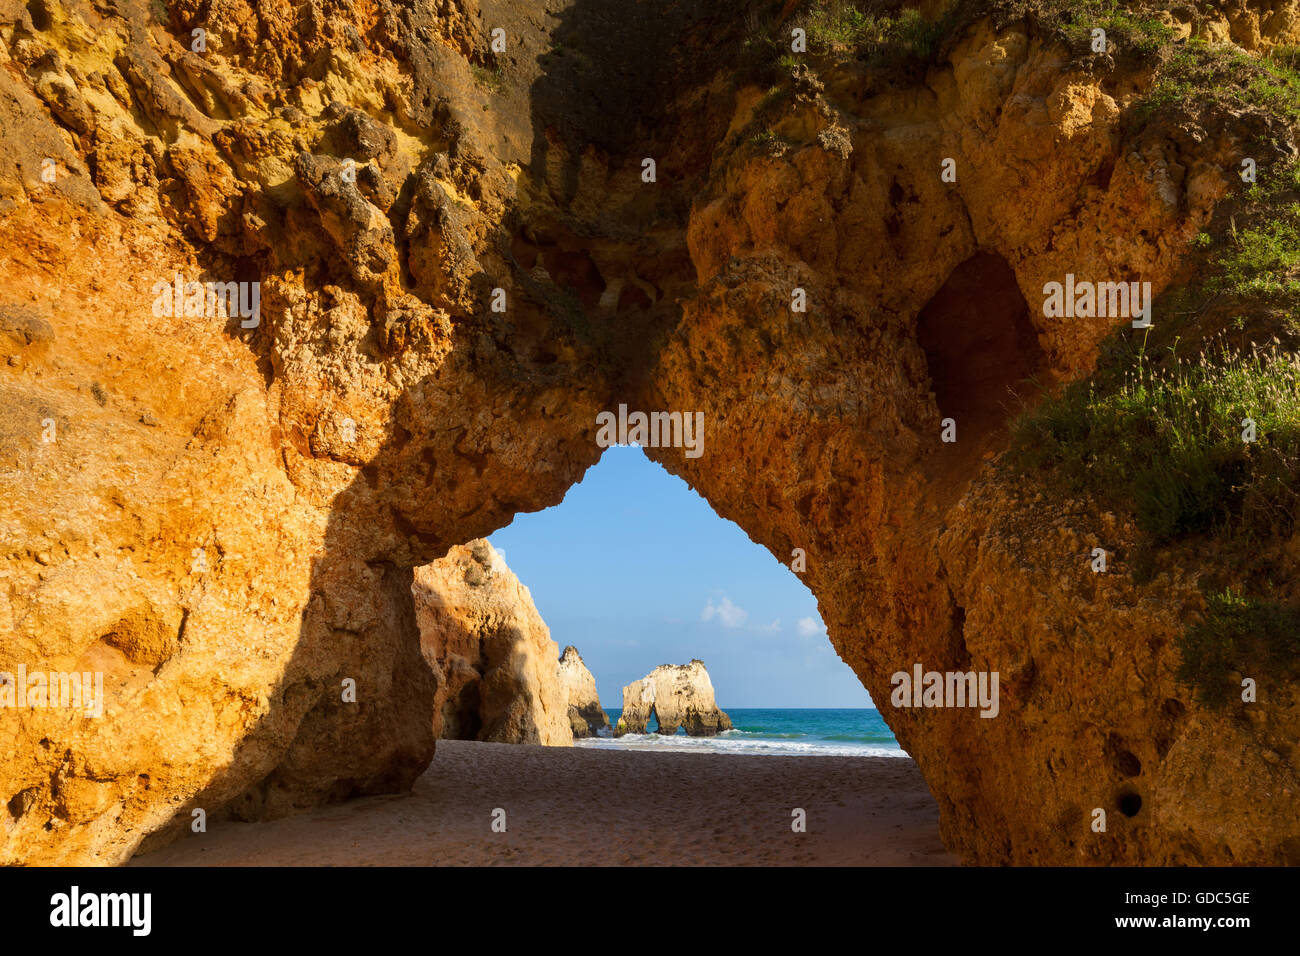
{"x":857,"y":732}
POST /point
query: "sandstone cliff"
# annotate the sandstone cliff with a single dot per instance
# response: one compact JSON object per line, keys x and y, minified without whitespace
{"x":586,"y":716}
{"x":221,"y":513}
{"x":491,"y":653}
{"x":677,"y":695}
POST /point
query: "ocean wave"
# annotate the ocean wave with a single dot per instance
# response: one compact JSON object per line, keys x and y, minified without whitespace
{"x":733,"y":742}
{"x":881,"y":739}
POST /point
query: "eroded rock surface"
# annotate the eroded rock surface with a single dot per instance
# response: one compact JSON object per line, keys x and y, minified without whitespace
{"x":223,"y":518}
{"x":586,"y":717}
{"x":677,"y":695}
{"x":491,"y":653}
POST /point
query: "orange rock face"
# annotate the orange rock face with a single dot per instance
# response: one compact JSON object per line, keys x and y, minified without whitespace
{"x":460,"y":263}
{"x":496,"y":666}
{"x":586,"y":717}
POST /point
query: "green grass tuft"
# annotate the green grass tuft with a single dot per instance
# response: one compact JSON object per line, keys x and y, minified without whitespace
{"x":842,"y":27}
{"x":835,"y":23}
{"x":1200,"y":76}
{"x":1250,"y":636}
{"x":1260,"y":260}
{"x":1167,"y":442}
{"x":1128,"y":29}
{"x":491,"y":79}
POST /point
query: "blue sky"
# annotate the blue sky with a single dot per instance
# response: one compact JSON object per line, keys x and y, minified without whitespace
{"x":635,"y":570}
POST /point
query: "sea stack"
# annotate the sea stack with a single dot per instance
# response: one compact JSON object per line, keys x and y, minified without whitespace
{"x":678,"y":695}
{"x":586,"y":717}
{"x":490,"y":650}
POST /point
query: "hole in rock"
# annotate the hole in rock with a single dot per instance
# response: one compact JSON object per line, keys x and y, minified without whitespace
{"x":576,"y":271}
{"x":632,"y":296}
{"x":1129,"y":803}
{"x":1121,"y":758}
{"x":20,"y":801}
{"x":1101,"y":178}
{"x":636,"y":571}
{"x":652,"y":725}
{"x":979,"y":344}
{"x":1128,"y":764}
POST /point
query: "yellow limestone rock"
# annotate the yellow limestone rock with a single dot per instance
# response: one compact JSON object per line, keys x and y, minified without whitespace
{"x":493,"y":655}
{"x":678,"y":695}
{"x":586,"y":716}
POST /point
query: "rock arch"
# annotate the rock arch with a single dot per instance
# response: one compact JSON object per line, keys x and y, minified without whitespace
{"x":676,"y":697}
{"x":382,"y":413}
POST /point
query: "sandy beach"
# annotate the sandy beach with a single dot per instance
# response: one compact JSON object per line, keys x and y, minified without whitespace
{"x":588,"y":807}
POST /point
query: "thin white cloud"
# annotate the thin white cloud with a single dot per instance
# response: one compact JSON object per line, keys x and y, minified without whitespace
{"x":728,"y":614}
{"x":810,"y":627}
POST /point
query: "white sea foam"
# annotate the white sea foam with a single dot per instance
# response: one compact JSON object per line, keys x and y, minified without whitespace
{"x":738,"y":742}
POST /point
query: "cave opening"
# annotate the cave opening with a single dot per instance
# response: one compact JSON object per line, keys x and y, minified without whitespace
{"x":980,"y":345}
{"x":620,"y":591}
{"x":608,"y":574}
